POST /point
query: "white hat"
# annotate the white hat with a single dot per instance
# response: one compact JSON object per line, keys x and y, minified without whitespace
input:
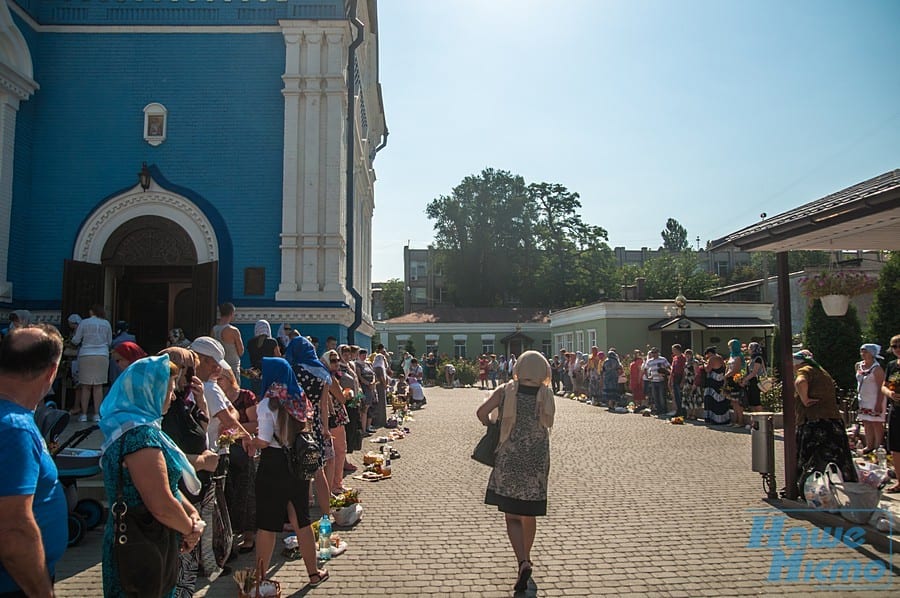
{"x":207,"y":345}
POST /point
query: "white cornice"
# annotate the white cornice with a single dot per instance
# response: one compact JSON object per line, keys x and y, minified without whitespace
{"x":502,"y":328}
{"x":659,"y":310}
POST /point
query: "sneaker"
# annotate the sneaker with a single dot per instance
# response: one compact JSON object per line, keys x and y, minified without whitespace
{"x":371,"y":430}
{"x":670,"y":414}
{"x":82,"y":418}
{"x":96,"y":417}
{"x":350,"y":467}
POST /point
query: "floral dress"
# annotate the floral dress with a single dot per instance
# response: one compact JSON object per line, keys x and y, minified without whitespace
{"x":313,"y":387}
{"x":518,"y":482}
{"x":131,"y":441}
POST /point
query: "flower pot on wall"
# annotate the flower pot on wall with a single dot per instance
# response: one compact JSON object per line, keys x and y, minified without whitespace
{"x":835,"y":305}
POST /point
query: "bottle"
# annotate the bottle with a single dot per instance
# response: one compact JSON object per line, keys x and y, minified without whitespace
{"x":386,"y":466}
{"x":882,"y":457}
{"x":324,"y":538}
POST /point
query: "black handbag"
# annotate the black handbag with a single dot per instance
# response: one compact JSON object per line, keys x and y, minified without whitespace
{"x":486,"y":450}
{"x":302,"y":456}
{"x":144,"y":550}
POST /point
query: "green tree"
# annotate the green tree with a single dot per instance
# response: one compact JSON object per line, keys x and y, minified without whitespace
{"x":568,"y":258}
{"x":674,"y":236}
{"x":834,"y":342}
{"x":480,"y":227}
{"x":392,"y":298}
{"x":884,"y":317}
{"x":668,"y":274}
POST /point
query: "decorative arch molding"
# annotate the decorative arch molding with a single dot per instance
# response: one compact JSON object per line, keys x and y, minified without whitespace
{"x":134,"y":203}
{"x":16,"y":68}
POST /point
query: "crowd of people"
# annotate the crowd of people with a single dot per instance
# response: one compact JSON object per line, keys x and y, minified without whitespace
{"x":184,"y":440}
{"x":714,"y":388}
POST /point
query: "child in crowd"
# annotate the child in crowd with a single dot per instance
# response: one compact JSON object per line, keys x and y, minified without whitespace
{"x":416,"y":393}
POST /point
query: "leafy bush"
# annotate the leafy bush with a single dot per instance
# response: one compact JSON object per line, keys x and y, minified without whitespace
{"x":834,"y":342}
{"x":884,"y":317}
{"x":466,"y":373}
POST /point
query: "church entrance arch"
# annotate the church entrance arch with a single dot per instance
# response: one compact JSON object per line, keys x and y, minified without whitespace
{"x":151,"y":258}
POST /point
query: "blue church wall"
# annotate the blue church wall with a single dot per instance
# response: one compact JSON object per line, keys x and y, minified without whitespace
{"x":80,"y":139}
{"x":173,"y":12}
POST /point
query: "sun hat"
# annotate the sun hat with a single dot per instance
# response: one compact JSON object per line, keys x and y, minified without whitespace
{"x":207,"y":345}
{"x":872,"y":348}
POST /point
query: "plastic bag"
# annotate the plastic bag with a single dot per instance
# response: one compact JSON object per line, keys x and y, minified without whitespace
{"x":855,"y":501}
{"x":884,"y":518}
{"x":349,"y":515}
{"x":871,"y":474}
{"x":818,"y":493}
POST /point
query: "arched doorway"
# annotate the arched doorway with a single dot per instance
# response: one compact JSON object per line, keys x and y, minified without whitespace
{"x":150,"y":259}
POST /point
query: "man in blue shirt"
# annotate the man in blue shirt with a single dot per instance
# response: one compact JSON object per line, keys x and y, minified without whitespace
{"x":33,"y":513}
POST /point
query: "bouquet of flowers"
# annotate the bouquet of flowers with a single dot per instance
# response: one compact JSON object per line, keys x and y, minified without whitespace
{"x":893,"y":383}
{"x":837,"y":283}
{"x":345,"y":499}
{"x":227,"y":438}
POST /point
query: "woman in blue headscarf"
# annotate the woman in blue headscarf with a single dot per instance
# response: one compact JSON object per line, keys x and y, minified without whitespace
{"x":131,"y":416}
{"x":315,"y":379}
{"x":283,"y":413}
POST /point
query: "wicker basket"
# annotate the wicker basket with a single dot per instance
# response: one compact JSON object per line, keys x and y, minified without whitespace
{"x":261,"y":584}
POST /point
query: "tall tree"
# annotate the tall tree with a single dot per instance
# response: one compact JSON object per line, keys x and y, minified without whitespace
{"x":479,"y":228}
{"x":674,"y":236}
{"x":884,"y":317}
{"x":576,"y":261}
{"x":392,"y":298}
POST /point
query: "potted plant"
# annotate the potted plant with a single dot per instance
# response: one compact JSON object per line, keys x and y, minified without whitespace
{"x":835,"y":287}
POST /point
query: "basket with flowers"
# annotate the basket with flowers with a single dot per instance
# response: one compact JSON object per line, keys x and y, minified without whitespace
{"x":838,"y":282}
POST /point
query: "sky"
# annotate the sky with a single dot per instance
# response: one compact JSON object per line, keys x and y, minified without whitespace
{"x":709,"y":112}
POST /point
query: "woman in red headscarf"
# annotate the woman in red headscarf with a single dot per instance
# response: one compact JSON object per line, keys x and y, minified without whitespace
{"x":126,"y":353}
{"x":636,"y":378}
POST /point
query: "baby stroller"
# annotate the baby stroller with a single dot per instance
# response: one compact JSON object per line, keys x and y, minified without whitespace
{"x":71,"y":463}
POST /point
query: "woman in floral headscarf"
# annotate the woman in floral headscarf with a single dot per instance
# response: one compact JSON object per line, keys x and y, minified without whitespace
{"x":518,"y":482}
{"x":282,"y":414}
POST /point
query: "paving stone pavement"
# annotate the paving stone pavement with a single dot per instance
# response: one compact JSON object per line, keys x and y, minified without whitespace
{"x":637,"y":507}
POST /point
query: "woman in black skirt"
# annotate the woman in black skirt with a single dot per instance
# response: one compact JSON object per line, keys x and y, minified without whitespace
{"x":821,"y":437}
{"x":282,"y":414}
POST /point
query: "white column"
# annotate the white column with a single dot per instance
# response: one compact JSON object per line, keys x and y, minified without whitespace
{"x":8,"y":107}
{"x":313,"y":244}
{"x":290,"y":193}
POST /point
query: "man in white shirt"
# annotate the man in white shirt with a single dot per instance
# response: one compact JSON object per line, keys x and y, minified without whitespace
{"x":657,"y":369}
{"x":222,"y":414}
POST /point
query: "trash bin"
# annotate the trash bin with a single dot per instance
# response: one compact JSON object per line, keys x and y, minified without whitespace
{"x":762,"y":442}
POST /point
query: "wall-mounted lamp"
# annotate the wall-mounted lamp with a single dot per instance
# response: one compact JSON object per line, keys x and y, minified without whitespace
{"x":144,"y":177}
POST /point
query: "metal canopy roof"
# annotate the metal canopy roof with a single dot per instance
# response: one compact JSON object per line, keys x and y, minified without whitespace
{"x":865,"y":216}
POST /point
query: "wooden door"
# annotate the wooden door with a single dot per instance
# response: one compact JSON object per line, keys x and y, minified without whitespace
{"x":205,"y":285}
{"x":82,"y":287}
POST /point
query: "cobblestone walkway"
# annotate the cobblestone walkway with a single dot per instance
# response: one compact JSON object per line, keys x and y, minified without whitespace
{"x":636,"y":507}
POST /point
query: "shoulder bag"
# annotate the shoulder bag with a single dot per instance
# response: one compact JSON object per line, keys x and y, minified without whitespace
{"x":144,"y":550}
{"x":486,"y":450}
{"x":303,"y":456}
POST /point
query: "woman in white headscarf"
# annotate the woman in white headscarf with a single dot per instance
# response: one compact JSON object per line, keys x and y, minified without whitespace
{"x":518,"y":482}
{"x":872,"y":403}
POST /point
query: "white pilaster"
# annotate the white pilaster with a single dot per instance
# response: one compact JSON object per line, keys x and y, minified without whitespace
{"x":313,"y":244}
{"x":16,"y":84}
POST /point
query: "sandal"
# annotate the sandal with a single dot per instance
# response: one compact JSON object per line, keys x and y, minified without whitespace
{"x":895,"y":489}
{"x":320,"y":578}
{"x":525,"y":569}
{"x":292,"y":554}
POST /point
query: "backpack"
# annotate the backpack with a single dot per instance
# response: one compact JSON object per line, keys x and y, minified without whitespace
{"x":303,"y":455}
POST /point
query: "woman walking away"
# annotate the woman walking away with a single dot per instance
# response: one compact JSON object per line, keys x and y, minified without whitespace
{"x":869,"y":379}
{"x":518,"y":482}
